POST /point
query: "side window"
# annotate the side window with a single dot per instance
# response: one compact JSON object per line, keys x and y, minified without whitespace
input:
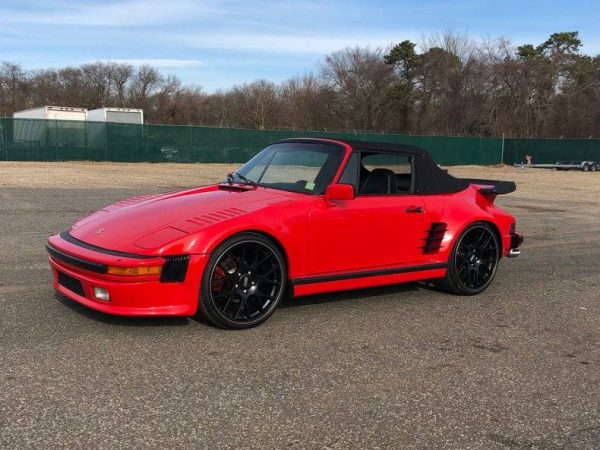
{"x":385,"y":173}
{"x":350,"y":173}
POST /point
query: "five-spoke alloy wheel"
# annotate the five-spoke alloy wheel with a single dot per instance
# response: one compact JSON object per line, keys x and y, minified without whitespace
{"x":473,"y":262}
{"x":244,"y":281}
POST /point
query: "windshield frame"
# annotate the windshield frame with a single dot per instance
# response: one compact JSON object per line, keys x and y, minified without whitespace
{"x":333,"y":165}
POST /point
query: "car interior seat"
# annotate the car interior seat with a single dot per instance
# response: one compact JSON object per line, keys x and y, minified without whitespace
{"x":379,"y":181}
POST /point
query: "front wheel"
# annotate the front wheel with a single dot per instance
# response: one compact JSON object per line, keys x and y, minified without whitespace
{"x":244,"y":281}
{"x":473,"y":261}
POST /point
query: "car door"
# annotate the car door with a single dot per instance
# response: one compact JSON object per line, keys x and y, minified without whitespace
{"x":377,"y":229}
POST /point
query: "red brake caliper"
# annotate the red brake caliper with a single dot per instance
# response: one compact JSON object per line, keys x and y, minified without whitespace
{"x":218,"y":281}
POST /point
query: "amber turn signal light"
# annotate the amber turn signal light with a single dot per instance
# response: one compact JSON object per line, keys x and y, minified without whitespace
{"x":134,"y":271}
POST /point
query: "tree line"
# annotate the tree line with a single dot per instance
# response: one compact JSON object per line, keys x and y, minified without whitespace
{"x":448,"y":85}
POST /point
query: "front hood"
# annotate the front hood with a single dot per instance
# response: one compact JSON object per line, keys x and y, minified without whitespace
{"x":154,"y":221}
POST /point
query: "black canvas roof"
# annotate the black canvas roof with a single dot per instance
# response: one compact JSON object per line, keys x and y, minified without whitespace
{"x":429,"y":177}
{"x":368,"y":145}
{"x":405,"y":149}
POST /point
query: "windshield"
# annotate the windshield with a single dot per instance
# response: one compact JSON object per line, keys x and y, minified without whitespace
{"x":293,"y":166}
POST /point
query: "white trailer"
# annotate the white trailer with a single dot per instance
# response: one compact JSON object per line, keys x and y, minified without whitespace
{"x":36,"y":133}
{"x":118,"y":115}
{"x":52,"y":113}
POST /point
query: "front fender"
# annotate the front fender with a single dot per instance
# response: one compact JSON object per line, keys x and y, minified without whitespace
{"x":286,"y":222}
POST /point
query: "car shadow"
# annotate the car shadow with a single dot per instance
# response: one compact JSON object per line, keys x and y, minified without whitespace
{"x":120,"y":320}
{"x":355,"y":294}
{"x":288,"y":302}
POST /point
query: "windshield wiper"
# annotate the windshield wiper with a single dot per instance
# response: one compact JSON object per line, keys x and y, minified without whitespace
{"x":231,"y":179}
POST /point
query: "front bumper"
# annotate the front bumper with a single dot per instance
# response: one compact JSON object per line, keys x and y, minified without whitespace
{"x":129,"y":296}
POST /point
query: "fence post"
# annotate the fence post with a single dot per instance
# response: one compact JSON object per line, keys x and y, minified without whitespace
{"x":56,"y":137}
{"x":3,"y":138}
{"x":105,"y":141}
{"x":502,"y":151}
{"x":143,"y":143}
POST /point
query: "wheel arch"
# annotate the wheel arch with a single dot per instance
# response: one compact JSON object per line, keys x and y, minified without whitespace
{"x":496,"y":231}
{"x":486,"y":221}
{"x":275,"y":241}
{"x":262,"y":233}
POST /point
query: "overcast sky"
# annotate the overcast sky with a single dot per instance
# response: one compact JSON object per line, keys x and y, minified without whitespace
{"x":218,"y":43}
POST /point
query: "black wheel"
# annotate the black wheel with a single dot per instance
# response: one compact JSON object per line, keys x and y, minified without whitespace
{"x":593,"y":167}
{"x":473,"y":261}
{"x":244,"y":281}
{"x":586,"y":167}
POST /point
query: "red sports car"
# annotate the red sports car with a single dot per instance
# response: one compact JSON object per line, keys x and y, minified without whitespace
{"x":303,"y":216}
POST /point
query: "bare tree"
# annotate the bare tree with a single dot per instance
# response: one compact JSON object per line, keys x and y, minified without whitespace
{"x":144,"y":83}
{"x":13,"y":88}
{"x":305,"y":103}
{"x":361,"y":81}
{"x":120,"y":75}
{"x":448,"y":84}
{"x":257,"y":104}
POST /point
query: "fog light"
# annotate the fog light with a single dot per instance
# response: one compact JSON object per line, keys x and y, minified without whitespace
{"x":101,"y":294}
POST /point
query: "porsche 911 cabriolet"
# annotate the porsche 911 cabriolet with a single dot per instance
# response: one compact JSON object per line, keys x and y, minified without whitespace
{"x":304,"y":216}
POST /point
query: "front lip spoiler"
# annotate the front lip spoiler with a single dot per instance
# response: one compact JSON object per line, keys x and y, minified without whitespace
{"x":84,"y":263}
{"x":75,"y":261}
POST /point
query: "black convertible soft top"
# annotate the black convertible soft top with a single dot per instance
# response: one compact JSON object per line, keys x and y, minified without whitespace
{"x":429,"y":177}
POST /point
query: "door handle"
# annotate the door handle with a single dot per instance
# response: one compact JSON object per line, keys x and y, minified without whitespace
{"x":414,"y":209}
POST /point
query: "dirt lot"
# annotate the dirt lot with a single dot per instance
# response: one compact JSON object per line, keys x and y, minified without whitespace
{"x":403,"y":366}
{"x":533,"y":183}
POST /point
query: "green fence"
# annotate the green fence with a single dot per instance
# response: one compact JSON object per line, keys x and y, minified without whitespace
{"x":548,"y":151}
{"x":52,"y":140}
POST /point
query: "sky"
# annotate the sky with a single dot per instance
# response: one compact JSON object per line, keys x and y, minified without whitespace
{"x":218,"y":43}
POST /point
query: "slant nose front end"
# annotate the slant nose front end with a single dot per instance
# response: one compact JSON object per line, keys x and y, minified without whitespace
{"x":123,"y":283}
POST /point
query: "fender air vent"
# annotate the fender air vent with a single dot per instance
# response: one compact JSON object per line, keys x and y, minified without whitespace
{"x":174,"y":269}
{"x":435,"y":236}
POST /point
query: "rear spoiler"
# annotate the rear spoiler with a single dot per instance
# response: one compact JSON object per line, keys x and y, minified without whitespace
{"x":492,"y":187}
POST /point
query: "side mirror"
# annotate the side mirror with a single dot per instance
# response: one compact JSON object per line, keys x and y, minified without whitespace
{"x":339,"y":192}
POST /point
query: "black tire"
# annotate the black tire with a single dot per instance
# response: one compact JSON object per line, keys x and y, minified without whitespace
{"x":244,"y":281}
{"x":586,"y":167}
{"x":473,"y":261}
{"x":593,"y":167}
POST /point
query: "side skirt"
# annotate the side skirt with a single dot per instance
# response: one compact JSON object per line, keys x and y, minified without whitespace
{"x":357,"y":280}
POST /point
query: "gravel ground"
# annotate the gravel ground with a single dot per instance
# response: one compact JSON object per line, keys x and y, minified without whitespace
{"x":403,"y":366}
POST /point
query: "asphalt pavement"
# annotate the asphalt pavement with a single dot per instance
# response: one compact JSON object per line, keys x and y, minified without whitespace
{"x":396,"y":367}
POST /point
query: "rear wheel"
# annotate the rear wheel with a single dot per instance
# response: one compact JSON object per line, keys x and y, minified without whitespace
{"x":244,"y":281}
{"x":586,"y":167}
{"x":593,"y":167}
{"x":473,"y":261}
